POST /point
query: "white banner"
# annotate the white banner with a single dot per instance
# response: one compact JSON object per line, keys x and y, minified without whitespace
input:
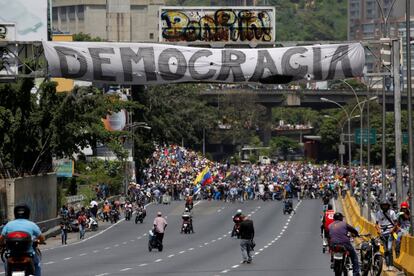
{"x":29,"y":16}
{"x":147,"y":63}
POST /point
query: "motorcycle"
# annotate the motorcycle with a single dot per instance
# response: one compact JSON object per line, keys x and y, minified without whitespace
{"x":153,"y":242}
{"x":139,"y":217}
{"x":341,"y":260}
{"x":236,"y":227}
{"x":287,"y":207}
{"x":128,"y":214}
{"x":371,"y":257}
{"x":92,"y":224}
{"x":15,"y":253}
{"x":186,"y":225}
{"x":114,"y":216}
{"x":73,"y":225}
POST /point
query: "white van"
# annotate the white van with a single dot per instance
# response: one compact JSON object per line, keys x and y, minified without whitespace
{"x":264,"y":160}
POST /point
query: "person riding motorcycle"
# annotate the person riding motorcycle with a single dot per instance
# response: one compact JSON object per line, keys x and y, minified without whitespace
{"x":189,"y":202}
{"x":327,"y":219}
{"x":22,"y":223}
{"x":128,"y":208}
{"x":159,"y":227}
{"x":338,"y":232}
{"x":237,"y":219}
{"x":403,"y":225}
{"x":188,"y":218}
{"x":386,"y":224}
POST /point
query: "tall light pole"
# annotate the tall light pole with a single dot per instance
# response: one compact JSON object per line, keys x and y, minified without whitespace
{"x":349,"y":138}
{"x":131,"y":127}
{"x":410,"y":109}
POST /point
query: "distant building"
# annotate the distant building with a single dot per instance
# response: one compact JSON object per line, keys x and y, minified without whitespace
{"x":111,"y":20}
{"x":365,"y":22}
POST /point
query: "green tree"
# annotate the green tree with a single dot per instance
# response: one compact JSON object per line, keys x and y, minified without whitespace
{"x":283,"y":145}
{"x":85,"y":37}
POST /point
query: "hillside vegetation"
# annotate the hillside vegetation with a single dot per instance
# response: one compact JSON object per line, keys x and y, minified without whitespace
{"x":307,"y":20}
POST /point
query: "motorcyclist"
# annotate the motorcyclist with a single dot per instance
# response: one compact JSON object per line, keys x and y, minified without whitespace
{"x":403,"y":225}
{"x":189,"y":202}
{"x":187,"y":216}
{"x":22,"y":223}
{"x":288,"y":204}
{"x":386,"y":224}
{"x":237,"y":219}
{"x":159,"y":227}
{"x":338,"y":232}
{"x":128,"y":208}
{"x":327,"y":219}
{"x":141,"y":208}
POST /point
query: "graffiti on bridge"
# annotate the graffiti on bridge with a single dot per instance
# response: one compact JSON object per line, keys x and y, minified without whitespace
{"x":217,"y":25}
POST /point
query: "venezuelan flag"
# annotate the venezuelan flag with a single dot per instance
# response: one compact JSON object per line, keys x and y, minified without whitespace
{"x":204,"y":177}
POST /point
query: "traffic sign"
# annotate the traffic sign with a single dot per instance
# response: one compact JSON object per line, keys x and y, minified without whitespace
{"x":371,"y":136}
{"x":405,"y":138}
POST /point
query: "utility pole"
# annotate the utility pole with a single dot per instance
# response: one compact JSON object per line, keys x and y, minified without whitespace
{"x":397,"y":117}
{"x":410,"y":110}
{"x":368,"y":162}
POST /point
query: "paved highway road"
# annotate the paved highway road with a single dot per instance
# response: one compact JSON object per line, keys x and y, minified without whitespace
{"x":285,"y":245}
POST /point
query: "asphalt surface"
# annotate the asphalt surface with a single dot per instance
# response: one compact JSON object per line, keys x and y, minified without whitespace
{"x":285,"y":245}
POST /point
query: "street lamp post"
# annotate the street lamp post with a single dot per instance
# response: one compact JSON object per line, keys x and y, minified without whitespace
{"x":131,"y":127}
{"x":348,"y":115}
{"x":349,"y":137}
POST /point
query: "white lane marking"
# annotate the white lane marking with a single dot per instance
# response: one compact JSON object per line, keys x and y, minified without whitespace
{"x":158,"y":260}
{"x":116,"y":245}
{"x":220,"y":238}
{"x":143,"y":264}
{"x":170,"y":256}
{"x":126,"y":269}
{"x":95,"y":251}
{"x":181,"y":252}
{"x":106,"y":248}
{"x":235,"y":266}
{"x":190,"y":249}
{"x":124,"y":243}
{"x":48,"y":263}
{"x":83,"y":254}
{"x":103,"y":274}
{"x":131,"y":240}
{"x":68,"y":258}
{"x":213,"y":240}
{"x":225,"y":271}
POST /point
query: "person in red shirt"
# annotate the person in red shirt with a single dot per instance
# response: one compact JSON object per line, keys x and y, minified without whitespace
{"x":328,"y":218}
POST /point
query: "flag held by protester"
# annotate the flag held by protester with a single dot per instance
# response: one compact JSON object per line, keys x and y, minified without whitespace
{"x":204,"y":177}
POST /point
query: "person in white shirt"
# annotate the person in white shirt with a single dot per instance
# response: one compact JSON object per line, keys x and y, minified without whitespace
{"x":386,"y":219}
{"x":159,"y":226}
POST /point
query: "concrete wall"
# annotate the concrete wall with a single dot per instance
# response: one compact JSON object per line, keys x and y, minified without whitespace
{"x":38,"y":192}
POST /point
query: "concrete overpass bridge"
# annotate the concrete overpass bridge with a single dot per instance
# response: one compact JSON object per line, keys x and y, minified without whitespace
{"x":296,"y":97}
{"x":304,"y":98}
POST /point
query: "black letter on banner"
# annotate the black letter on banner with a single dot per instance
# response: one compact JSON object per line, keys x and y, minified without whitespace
{"x":287,"y":69}
{"x":317,"y":63}
{"x":146,"y":53}
{"x":264,"y":60}
{"x":62,"y":53}
{"x":233,"y":65}
{"x":98,"y":61}
{"x":341,"y":55}
{"x":164,"y":67}
{"x":191,"y":65}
